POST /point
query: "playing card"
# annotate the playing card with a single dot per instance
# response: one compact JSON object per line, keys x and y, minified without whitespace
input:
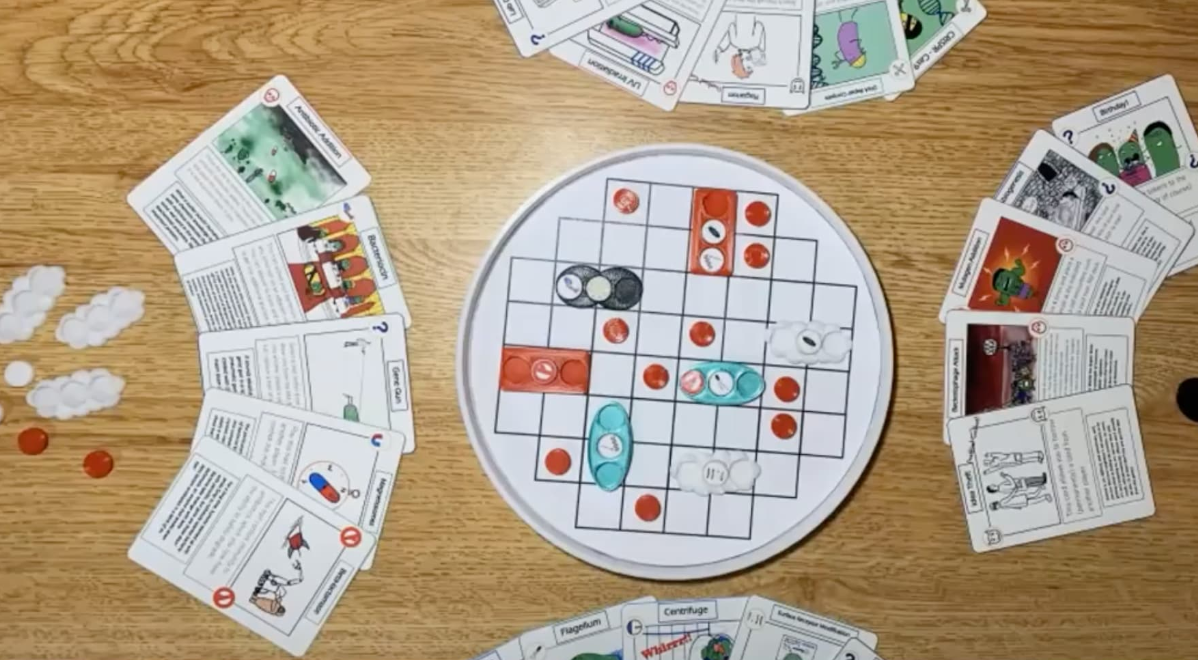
{"x":1145,"y":137}
{"x":649,"y":50}
{"x":1059,"y":467}
{"x":344,"y":466}
{"x":537,"y":25}
{"x":271,"y":157}
{"x":996,"y":360}
{"x":1015,"y":261}
{"x":261,"y":552}
{"x":326,"y":264}
{"x":682,"y":629}
{"x":857,"y":650}
{"x":1054,"y":182}
{"x":771,"y":630}
{"x":593,"y":635}
{"x":355,"y":368}
{"x":860,"y":53}
{"x":934,"y":27}
{"x":759,"y":54}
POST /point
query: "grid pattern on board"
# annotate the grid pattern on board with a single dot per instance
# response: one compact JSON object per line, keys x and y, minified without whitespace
{"x":653,"y":242}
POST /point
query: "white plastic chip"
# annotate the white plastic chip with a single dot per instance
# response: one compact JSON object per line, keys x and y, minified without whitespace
{"x":104,"y":317}
{"x":23,"y":307}
{"x":18,"y":373}
{"x":83,"y":392}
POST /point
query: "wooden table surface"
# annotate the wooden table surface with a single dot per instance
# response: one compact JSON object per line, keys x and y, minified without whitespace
{"x":457,"y":130}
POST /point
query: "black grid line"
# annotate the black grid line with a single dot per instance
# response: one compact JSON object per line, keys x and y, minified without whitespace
{"x":636,"y":345}
{"x":582,"y":454}
{"x":655,"y":269}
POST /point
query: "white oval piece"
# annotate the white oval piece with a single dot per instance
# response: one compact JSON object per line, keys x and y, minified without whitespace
{"x":18,"y":373}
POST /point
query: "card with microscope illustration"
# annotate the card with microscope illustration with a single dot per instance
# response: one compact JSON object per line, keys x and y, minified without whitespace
{"x":859,"y":52}
{"x":997,"y":360}
{"x":592,"y":635}
{"x":1057,"y":467}
{"x":1014,"y":261}
{"x":774,"y":630}
{"x":1056,"y":183}
{"x":934,"y":27}
{"x":255,"y":548}
{"x":682,"y":629}
{"x":757,"y":55}
{"x":648,"y":51}
{"x":1143,"y":136}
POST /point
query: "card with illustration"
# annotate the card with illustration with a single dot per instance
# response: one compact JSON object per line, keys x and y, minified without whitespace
{"x":775,"y":631}
{"x":857,"y":650}
{"x":592,"y":636}
{"x":1014,"y":261}
{"x":262,"y":553}
{"x":538,"y":25}
{"x":1058,"y":467}
{"x":509,"y":650}
{"x":859,"y":52}
{"x":649,"y":50}
{"x":344,"y":466}
{"x":1144,"y":137}
{"x":934,"y":27}
{"x":1054,"y":182}
{"x":997,"y":360}
{"x":327,"y":264}
{"x":271,"y":157}
{"x":759,"y":54}
{"x":354,"y":368}
{"x":703,"y":629}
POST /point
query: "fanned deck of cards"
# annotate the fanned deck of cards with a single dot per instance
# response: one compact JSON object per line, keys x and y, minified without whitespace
{"x":303,"y":357}
{"x":735,"y":628}
{"x":1040,"y":318}
{"x":795,"y":55}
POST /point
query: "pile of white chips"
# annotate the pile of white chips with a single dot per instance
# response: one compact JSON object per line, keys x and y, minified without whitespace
{"x":103,"y":318}
{"x":83,"y":392}
{"x":24,"y":306}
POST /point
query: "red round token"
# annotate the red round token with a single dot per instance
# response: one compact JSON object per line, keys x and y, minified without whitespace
{"x":716,"y":203}
{"x":757,"y":255}
{"x":702,"y":333}
{"x":557,"y":461}
{"x":32,"y":441}
{"x":758,"y":214}
{"x":616,"y":330}
{"x":786,"y":389}
{"x":515,"y":370}
{"x":574,"y":372}
{"x":97,"y":464}
{"x":784,"y":426}
{"x":626,"y":201}
{"x":692,"y":382}
{"x":648,"y":508}
{"x":656,"y":376}
{"x":544,"y":370}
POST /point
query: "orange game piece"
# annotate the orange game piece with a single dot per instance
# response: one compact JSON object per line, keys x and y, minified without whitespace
{"x":528,"y":369}
{"x":713,"y":224}
{"x":648,"y":507}
{"x":626,"y":201}
{"x":786,"y":389}
{"x":757,"y":255}
{"x":97,"y":464}
{"x":557,"y":461}
{"x":702,"y":333}
{"x":32,"y":441}
{"x":784,"y":426}
{"x":656,"y":376}
{"x":616,"y":330}
{"x":716,"y":202}
{"x":758,"y":214}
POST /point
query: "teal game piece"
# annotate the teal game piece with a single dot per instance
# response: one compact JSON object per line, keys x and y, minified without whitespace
{"x":722,"y":383}
{"x":609,"y":446}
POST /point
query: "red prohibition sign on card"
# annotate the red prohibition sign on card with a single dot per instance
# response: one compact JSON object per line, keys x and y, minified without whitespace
{"x":271,"y":95}
{"x":222,"y":597}
{"x":351,"y":537}
{"x":1065,"y":245}
{"x":1038,"y":327}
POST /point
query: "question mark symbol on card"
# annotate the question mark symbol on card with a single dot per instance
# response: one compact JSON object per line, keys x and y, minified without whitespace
{"x":1068,"y":135}
{"x":1194,"y":161}
{"x":1108,"y":188}
{"x":536,"y":39}
{"x":382,"y":327}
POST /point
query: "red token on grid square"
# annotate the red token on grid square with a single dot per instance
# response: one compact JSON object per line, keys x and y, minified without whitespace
{"x":784,"y":426}
{"x":558,"y":461}
{"x":656,"y":376}
{"x":692,"y":382}
{"x":648,"y":508}
{"x":97,"y":464}
{"x":786,"y":389}
{"x":626,"y":201}
{"x":33,"y":441}
{"x":758,"y":214}
{"x":757,"y":255}
{"x":616,"y":330}
{"x":702,"y":333}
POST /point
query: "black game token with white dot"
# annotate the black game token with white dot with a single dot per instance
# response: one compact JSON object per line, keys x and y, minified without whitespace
{"x":1187,"y":398}
{"x":572,"y":285}
{"x":626,"y":288}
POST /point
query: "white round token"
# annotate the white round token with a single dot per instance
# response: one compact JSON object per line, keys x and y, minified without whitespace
{"x":74,"y":331}
{"x":98,"y":318}
{"x":713,"y":232}
{"x":798,"y":501}
{"x":18,"y":373}
{"x":25,"y":303}
{"x":569,"y":286}
{"x":74,"y":394}
{"x":598,"y":288}
{"x":610,"y":445}
{"x":715,"y":473}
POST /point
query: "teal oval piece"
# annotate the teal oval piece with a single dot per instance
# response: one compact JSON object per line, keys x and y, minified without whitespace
{"x":722,"y":384}
{"x":609,"y":446}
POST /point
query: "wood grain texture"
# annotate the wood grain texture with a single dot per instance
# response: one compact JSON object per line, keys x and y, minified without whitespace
{"x":457,"y":130}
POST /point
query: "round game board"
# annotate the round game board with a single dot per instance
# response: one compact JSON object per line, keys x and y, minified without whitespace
{"x":675,"y":362}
